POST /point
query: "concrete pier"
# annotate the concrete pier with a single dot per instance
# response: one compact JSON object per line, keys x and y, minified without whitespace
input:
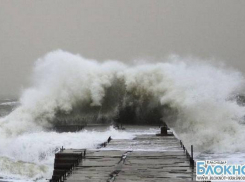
{"x":146,"y":158}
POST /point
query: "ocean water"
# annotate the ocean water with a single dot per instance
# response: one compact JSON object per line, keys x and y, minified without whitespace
{"x":30,"y":157}
{"x":197,"y":99}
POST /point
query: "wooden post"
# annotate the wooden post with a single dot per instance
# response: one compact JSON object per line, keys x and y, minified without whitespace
{"x":84,"y":153}
{"x":192,"y":157}
{"x":192,"y":151}
{"x":164,"y":130}
{"x":109,"y":139}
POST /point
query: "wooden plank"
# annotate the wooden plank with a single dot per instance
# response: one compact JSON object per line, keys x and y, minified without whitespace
{"x":135,"y":160}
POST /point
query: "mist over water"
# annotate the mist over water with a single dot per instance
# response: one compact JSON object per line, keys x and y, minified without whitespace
{"x":195,"y":98}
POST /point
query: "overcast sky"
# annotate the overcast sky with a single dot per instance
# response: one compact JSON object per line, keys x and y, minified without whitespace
{"x":117,"y":29}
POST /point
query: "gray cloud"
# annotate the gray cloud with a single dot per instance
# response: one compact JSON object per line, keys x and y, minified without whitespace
{"x":122,"y":30}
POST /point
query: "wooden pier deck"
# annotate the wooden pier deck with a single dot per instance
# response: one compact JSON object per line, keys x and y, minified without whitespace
{"x":134,"y":160}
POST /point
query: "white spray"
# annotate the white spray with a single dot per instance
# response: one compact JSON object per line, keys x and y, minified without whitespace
{"x":201,"y":95}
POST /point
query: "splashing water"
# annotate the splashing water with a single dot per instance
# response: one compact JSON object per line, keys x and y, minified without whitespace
{"x":31,"y":156}
{"x":199,"y":97}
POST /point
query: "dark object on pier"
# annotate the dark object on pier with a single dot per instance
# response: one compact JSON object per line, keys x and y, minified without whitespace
{"x":104,"y":144}
{"x":164,"y":131}
{"x":109,"y":139}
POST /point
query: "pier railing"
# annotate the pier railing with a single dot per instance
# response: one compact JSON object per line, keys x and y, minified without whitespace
{"x":104,"y":144}
{"x":189,"y":156}
{"x":164,"y":132}
{"x":65,"y":162}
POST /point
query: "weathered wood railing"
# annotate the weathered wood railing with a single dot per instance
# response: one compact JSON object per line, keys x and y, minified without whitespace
{"x":164,"y":132}
{"x":190,"y":156}
{"x":65,"y":162}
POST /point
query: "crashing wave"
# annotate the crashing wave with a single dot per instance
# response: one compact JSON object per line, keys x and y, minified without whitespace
{"x":192,"y":96}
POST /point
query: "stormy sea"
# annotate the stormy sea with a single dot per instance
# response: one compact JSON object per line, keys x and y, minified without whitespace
{"x":201,"y":102}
